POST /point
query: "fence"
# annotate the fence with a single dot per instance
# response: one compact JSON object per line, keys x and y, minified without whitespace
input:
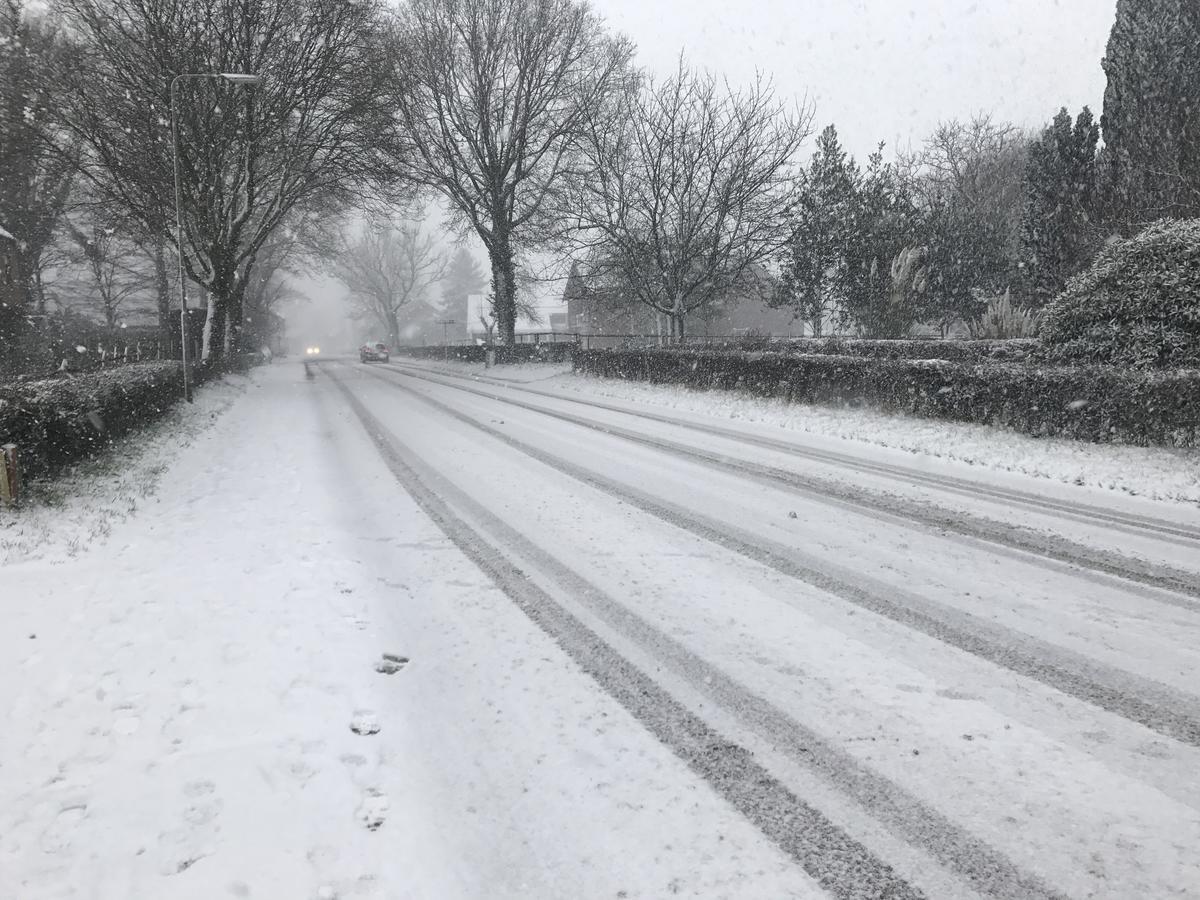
{"x":547,"y":337}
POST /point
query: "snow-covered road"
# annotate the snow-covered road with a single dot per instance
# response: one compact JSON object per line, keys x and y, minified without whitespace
{"x":642,"y":655}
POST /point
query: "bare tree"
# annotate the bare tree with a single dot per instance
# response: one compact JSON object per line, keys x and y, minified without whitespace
{"x":970,"y":183}
{"x":690,"y":187}
{"x":492,"y":96}
{"x":299,"y":247}
{"x":249,"y":157}
{"x":386,"y":268}
{"x":115,"y":271}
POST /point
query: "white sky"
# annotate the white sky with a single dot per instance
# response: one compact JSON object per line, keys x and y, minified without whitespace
{"x":887,"y":69}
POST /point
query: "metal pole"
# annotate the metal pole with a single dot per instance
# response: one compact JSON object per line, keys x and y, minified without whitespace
{"x":183,"y":322}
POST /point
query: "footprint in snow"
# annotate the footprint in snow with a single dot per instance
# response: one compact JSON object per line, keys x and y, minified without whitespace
{"x":391,"y":664}
{"x":127,"y":721}
{"x":199,"y":788}
{"x":364,"y":722}
{"x":57,"y":837}
{"x":373,"y":810}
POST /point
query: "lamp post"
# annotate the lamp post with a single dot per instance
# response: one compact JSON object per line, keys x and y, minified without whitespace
{"x":232,"y":78}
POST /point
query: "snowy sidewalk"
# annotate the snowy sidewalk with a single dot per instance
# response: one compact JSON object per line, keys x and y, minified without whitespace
{"x":194,"y":707}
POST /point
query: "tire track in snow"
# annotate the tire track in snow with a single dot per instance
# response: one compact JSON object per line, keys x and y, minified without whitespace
{"x":1182,"y":587}
{"x":1150,"y":703}
{"x":827,"y":853}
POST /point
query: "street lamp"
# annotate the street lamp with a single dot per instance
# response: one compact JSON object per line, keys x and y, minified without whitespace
{"x":232,"y":78}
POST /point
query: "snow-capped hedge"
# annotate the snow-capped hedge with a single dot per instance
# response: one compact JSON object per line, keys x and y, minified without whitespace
{"x":1094,"y":404}
{"x":56,"y":420}
{"x":1138,"y":304}
{"x":518,"y":353}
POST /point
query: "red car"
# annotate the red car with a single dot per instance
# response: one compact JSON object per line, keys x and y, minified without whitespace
{"x":373,"y":353}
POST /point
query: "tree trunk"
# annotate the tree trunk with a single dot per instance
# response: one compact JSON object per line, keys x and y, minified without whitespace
{"x":214,"y":329}
{"x":235,"y":318}
{"x":162,"y":284}
{"x":39,"y":291}
{"x":393,"y":330}
{"x":221,"y":294}
{"x":504,"y":288}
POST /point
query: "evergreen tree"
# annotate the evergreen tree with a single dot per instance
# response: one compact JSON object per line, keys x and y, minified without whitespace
{"x":1151,"y":121}
{"x":1058,"y":231}
{"x":814,"y":270}
{"x":884,"y":224}
{"x":464,"y":276}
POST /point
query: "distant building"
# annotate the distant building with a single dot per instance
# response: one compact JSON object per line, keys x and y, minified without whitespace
{"x":588,"y":313}
{"x":558,"y":322}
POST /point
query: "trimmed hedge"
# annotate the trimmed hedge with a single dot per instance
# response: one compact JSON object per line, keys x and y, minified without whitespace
{"x":1016,"y":349}
{"x":55,"y":421}
{"x":1138,"y":304}
{"x":1092,"y":404}
{"x":559,"y":351}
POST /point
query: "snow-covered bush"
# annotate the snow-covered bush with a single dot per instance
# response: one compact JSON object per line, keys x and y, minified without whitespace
{"x":57,"y":420}
{"x":1138,"y":304}
{"x":1094,"y":403}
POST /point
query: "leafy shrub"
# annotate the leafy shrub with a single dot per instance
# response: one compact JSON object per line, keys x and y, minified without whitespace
{"x":1138,"y":304}
{"x":1002,"y":320}
{"x":1094,"y":404}
{"x":57,"y":420}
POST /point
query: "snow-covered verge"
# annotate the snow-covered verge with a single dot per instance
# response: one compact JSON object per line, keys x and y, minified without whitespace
{"x":64,"y":514}
{"x":1151,"y":472}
